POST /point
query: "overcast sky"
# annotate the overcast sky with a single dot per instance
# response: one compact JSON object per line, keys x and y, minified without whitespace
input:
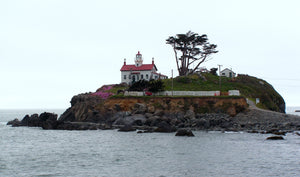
{"x":51,"y":50}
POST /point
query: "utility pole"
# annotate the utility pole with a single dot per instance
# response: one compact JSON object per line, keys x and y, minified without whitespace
{"x":220,"y":77}
{"x":172,"y":82}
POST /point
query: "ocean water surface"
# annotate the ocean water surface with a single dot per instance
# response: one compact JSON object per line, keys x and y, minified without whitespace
{"x":28,"y":151}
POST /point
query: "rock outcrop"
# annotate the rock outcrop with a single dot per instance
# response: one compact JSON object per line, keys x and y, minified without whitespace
{"x":163,"y":114}
{"x":184,"y":132}
{"x":275,"y":138}
{"x":45,"y":120}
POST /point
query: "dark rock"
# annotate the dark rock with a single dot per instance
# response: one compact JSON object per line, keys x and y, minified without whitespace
{"x":280,"y":133}
{"x":137,"y":122}
{"x":116,"y":116}
{"x":148,"y":131}
{"x":137,"y":119}
{"x":184,"y":132}
{"x":45,"y":120}
{"x":127,"y":128}
{"x":68,"y":115}
{"x":148,"y":115}
{"x":276,"y":132}
{"x":175,"y":122}
{"x":48,"y":120}
{"x":14,"y":123}
{"x":153,"y":121}
{"x":253,"y":131}
{"x":202,"y":123}
{"x":181,"y":125}
{"x":189,"y":114}
{"x":275,"y":138}
{"x":76,"y":126}
{"x":93,"y":127}
{"x":158,"y":113}
{"x":139,"y":108}
{"x":117,"y":107}
{"x":164,"y":127}
{"x":31,"y":121}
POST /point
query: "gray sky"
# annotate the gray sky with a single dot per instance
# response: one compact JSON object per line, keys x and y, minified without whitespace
{"x":51,"y":50}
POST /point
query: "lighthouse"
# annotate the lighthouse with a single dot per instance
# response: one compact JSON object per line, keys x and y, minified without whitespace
{"x":138,"y":59}
{"x":139,"y":71}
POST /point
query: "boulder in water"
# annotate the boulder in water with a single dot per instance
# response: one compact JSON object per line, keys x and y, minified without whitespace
{"x":184,"y":132}
{"x":164,"y":127}
{"x":275,"y":138}
{"x":127,"y":128}
{"x":14,"y":123}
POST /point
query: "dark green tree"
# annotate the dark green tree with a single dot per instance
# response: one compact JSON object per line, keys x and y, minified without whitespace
{"x":152,"y":86}
{"x":190,"y":48}
{"x":213,"y":71}
{"x":139,"y":85}
{"x":156,"y":86}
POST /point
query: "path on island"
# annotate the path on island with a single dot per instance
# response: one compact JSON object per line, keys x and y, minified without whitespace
{"x":260,"y":119}
{"x":252,"y":105}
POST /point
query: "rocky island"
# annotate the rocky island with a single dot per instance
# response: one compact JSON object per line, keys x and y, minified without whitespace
{"x":108,"y":108}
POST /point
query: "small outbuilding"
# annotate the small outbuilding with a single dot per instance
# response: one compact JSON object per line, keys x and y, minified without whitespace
{"x":228,"y":73}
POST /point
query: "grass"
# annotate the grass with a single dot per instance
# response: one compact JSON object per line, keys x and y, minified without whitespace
{"x":250,"y":87}
{"x":115,"y":89}
{"x":195,"y":83}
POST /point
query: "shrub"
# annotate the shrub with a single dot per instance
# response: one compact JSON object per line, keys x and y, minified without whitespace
{"x":143,"y":85}
{"x":103,"y":92}
{"x":156,"y":86}
{"x":140,"y":85}
{"x":183,"y":79}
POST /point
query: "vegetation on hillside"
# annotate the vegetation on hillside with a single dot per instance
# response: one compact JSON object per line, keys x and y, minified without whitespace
{"x":143,"y":85}
{"x":250,"y":87}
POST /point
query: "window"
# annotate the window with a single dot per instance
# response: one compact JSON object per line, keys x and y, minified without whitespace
{"x":142,"y":76}
{"x":129,"y":76}
{"x":146,"y":76}
{"x":223,"y":74}
{"x":156,"y":77}
{"x":125,"y":77}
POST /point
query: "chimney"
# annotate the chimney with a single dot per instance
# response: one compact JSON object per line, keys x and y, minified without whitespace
{"x":153,"y":60}
{"x":124,"y":61}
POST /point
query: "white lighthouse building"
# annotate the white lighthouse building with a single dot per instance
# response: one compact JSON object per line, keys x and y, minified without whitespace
{"x":139,"y":71}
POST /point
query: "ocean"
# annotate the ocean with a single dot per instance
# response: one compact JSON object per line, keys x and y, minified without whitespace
{"x":29,"y":151}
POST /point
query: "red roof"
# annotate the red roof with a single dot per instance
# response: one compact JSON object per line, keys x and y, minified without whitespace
{"x":144,"y":67}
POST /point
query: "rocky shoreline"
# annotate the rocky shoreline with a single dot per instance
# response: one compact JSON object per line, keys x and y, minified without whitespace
{"x":163,"y":114}
{"x":251,"y":120}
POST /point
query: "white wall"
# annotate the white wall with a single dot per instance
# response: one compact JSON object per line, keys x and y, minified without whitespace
{"x":176,"y":93}
{"x":184,"y":93}
{"x":144,"y":73}
{"x":227,"y":72}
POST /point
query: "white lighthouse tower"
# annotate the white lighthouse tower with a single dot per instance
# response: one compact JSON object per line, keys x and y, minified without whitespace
{"x":138,"y":59}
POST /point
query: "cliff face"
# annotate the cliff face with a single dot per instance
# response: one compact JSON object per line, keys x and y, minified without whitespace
{"x":89,"y":108}
{"x":176,"y":104}
{"x":82,"y":109}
